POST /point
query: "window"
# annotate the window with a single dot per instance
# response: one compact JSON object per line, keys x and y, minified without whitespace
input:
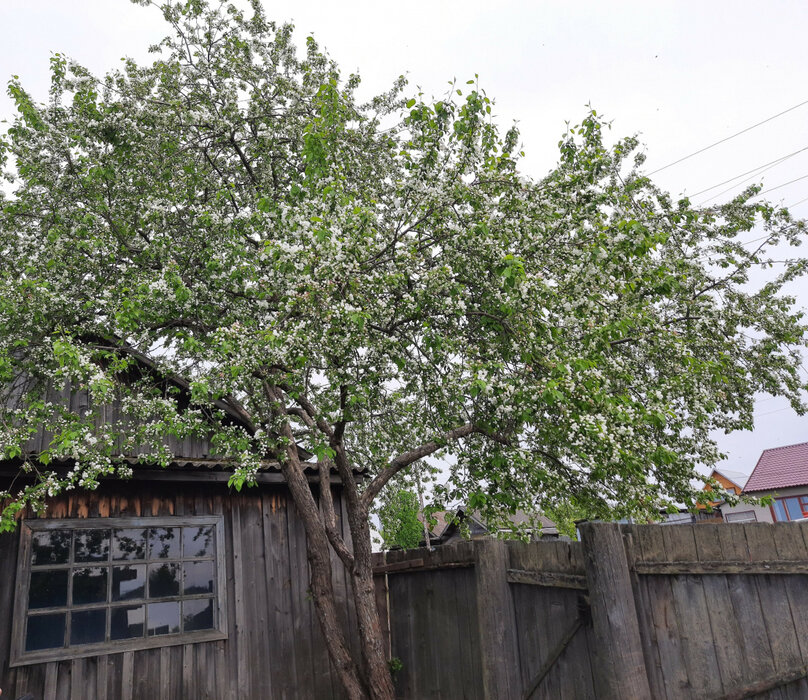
{"x":744,"y":516}
{"x":105,"y":585}
{"x":792,"y":508}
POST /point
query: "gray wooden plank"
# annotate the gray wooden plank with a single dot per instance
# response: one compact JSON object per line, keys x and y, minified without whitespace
{"x":242,"y":639}
{"x":301,"y":607}
{"x":774,"y":601}
{"x":693,"y":613}
{"x":727,"y":634}
{"x":649,"y":546}
{"x":279,"y":585}
{"x":653,"y":663}
{"x":127,"y":677}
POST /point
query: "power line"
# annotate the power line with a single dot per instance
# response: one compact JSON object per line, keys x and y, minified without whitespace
{"x":772,"y":189}
{"x":791,"y":206}
{"x":738,"y":184}
{"x":776,"y":161}
{"x":724,"y":140}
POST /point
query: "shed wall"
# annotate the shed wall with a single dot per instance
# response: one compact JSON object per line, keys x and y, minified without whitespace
{"x":274,"y":647}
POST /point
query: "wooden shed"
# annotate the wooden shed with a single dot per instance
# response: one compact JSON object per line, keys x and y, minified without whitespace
{"x":168,"y":585}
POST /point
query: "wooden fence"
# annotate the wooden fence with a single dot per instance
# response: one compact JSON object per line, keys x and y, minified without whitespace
{"x":634,"y":611}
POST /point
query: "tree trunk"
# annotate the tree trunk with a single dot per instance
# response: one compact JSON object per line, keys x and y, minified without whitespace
{"x":322,"y":586}
{"x":378,"y":683}
{"x":374,"y":654}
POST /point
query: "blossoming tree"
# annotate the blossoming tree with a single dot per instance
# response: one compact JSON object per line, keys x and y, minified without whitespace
{"x":370,"y":284}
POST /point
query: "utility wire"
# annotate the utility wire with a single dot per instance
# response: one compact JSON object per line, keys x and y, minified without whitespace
{"x":772,"y":189}
{"x":724,"y":140}
{"x":753,"y":170}
{"x":738,"y":184}
{"x":791,"y":206}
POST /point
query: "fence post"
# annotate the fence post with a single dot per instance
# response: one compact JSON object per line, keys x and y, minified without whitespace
{"x":619,"y":665}
{"x":497,"y":622}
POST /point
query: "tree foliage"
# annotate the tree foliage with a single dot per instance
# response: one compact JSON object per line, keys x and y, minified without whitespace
{"x":374,"y":282}
{"x":398,"y":518}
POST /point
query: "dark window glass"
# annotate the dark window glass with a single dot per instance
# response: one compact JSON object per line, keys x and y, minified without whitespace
{"x":92,"y":545}
{"x":127,"y":622}
{"x":198,"y":541}
{"x":129,"y":544}
{"x":88,"y":626}
{"x":197,"y":615}
{"x":198,"y":577}
{"x":45,"y":632}
{"x":793,"y":508}
{"x":164,"y":618}
{"x":164,"y":543}
{"x":90,"y":585}
{"x":164,"y":580}
{"x":128,"y":582}
{"x":50,"y":547}
{"x":48,"y":589}
{"x":780,"y":511}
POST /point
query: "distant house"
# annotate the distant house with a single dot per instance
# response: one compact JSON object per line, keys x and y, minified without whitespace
{"x":782,"y":472}
{"x":458,"y":524}
{"x":733,"y":482}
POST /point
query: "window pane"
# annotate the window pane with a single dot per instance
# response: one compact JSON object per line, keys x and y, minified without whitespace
{"x":198,"y":541}
{"x":127,"y":622}
{"x":779,"y":511}
{"x":164,"y":618}
{"x":88,"y":626}
{"x":129,"y":544}
{"x":50,"y":547}
{"x":198,"y":577}
{"x":164,"y":580}
{"x":90,"y":585}
{"x":197,"y":615}
{"x":92,"y":545}
{"x":128,"y":582}
{"x":164,"y":543}
{"x":45,"y":632}
{"x":793,"y":508}
{"x":48,"y":589}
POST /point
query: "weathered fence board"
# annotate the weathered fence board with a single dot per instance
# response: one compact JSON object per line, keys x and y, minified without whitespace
{"x":721,"y":612}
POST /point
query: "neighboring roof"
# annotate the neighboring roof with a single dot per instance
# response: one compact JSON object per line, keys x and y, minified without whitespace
{"x":779,"y":468}
{"x":447,"y":521}
{"x":736,"y":478}
{"x":190,"y":454}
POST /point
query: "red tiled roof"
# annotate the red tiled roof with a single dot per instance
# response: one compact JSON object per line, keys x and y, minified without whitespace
{"x":779,"y":468}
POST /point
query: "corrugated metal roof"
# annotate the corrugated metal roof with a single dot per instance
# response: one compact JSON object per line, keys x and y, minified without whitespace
{"x":779,"y":468}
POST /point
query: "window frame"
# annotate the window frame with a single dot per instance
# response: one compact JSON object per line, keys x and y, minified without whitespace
{"x":20,"y":657}
{"x":802,"y":500}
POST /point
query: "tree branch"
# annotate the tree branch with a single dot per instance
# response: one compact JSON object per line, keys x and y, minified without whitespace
{"x":406,"y":458}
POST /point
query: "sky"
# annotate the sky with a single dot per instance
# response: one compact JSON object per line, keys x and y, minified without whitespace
{"x":680,"y":74}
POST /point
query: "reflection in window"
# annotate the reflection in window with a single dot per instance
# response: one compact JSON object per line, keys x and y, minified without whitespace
{"x":164,"y":543}
{"x":197,"y":577}
{"x":198,"y":541}
{"x":127,"y":622}
{"x":88,"y":626}
{"x":117,"y":582}
{"x":92,"y":545}
{"x":197,"y":614}
{"x":89,"y":585}
{"x":164,"y":618}
{"x":45,"y":632}
{"x":48,"y":589}
{"x":128,"y":582}
{"x":129,"y":544}
{"x":164,"y":580}
{"x":50,"y":547}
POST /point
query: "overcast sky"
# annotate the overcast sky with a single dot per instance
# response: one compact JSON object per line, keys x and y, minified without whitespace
{"x":680,"y":74}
